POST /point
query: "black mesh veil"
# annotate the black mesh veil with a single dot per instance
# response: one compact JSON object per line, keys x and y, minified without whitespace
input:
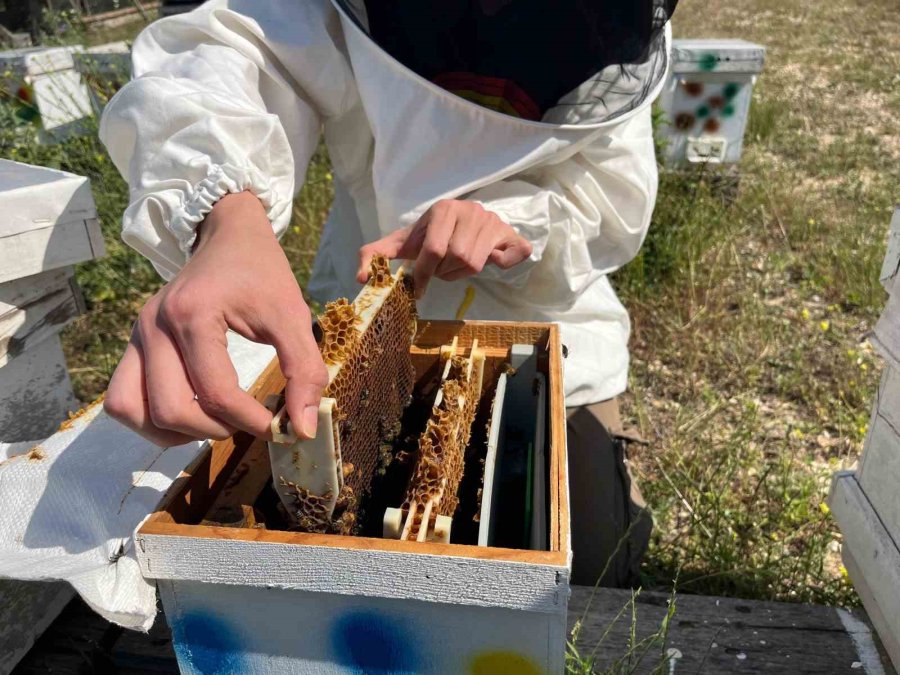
{"x":579,"y":60}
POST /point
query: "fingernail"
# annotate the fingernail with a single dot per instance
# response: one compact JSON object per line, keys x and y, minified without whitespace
{"x":310,"y":420}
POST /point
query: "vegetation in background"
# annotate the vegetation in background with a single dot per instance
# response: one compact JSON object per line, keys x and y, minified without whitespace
{"x":751,"y":374}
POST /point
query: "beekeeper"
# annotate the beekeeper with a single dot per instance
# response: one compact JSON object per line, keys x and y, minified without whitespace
{"x":504,"y":144}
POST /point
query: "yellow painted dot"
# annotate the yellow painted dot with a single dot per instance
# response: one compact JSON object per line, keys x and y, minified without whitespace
{"x":503,"y":663}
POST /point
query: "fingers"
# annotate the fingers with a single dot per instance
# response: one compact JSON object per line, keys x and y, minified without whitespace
{"x":511,"y":252}
{"x":200,"y":339}
{"x":305,"y":372}
{"x":389,"y":246}
{"x":126,"y":400}
{"x":440,"y":221}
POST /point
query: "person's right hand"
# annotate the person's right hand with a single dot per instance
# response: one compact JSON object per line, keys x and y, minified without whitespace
{"x":175,"y":382}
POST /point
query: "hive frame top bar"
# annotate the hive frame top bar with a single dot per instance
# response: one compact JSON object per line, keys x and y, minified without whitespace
{"x":195,"y":489}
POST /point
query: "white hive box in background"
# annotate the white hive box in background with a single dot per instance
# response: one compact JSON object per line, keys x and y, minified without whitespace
{"x":104,"y":69}
{"x":865,"y":502}
{"x":45,"y":81}
{"x":706,"y":100}
{"x":112,"y":58}
{"x":48,"y":222}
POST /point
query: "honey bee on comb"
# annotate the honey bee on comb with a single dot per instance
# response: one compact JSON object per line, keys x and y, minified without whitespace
{"x":366,"y":348}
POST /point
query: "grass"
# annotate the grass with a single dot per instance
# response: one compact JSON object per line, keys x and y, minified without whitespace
{"x":751,"y":374}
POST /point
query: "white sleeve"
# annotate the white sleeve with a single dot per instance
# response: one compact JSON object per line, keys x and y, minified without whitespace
{"x":585,"y":216}
{"x":227,"y":98}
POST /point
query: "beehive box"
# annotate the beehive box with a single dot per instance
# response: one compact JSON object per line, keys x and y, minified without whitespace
{"x":706,"y":100}
{"x":865,"y":502}
{"x":44,"y":82}
{"x":251,"y":599}
{"x":48,"y":223}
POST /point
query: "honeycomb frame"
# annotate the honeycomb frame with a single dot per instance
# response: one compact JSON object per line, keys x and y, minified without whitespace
{"x":431,"y":496}
{"x":366,"y":348}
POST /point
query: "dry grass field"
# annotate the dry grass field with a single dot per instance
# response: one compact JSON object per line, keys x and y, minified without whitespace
{"x":752,"y":376}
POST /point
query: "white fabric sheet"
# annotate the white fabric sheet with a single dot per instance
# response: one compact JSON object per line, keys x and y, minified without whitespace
{"x":69,"y":504}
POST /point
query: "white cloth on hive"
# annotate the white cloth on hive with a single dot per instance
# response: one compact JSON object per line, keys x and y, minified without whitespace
{"x":69,"y":505}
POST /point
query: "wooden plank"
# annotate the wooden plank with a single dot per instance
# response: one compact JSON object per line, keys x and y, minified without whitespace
{"x":890,"y":639}
{"x":192,"y":493}
{"x":50,"y":247}
{"x":35,"y":392}
{"x":353,"y":566}
{"x":879,"y":476}
{"x":27,"y":608}
{"x":892,"y":257}
{"x":244,"y":485}
{"x":719,"y":635}
{"x":886,"y":336}
{"x":34,"y":308}
{"x":875,"y":555}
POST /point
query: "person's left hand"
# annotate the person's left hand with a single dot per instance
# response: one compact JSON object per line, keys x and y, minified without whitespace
{"x":454,"y":239}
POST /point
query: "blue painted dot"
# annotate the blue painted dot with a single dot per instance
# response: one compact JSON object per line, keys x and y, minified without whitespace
{"x":371,"y":642}
{"x":206,"y":644}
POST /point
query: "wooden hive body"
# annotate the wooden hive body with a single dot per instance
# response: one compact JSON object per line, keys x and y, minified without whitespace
{"x":865,"y":502}
{"x":281,"y":601}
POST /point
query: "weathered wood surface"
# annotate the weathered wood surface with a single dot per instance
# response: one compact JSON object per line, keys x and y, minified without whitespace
{"x":873,"y":558}
{"x":35,"y":393}
{"x":892,"y":259}
{"x":776,"y":638}
{"x":27,"y":608}
{"x":34,"y":308}
{"x":879,"y":477}
{"x":727,"y":635}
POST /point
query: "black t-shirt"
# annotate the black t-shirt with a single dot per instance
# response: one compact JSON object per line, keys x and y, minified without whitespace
{"x":517,"y":56}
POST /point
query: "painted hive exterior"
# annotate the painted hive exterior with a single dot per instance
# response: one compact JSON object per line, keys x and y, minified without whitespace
{"x":706,"y":100}
{"x":253,"y":600}
{"x":48,"y":223}
{"x":865,"y":502}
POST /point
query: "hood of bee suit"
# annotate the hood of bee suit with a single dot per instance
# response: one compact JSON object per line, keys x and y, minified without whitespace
{"x":555,"y":61}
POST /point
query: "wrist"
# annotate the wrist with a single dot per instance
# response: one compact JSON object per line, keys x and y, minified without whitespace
{"x":241,"y":211}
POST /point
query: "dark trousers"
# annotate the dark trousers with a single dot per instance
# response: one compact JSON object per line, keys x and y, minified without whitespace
{"x":610,"y":520}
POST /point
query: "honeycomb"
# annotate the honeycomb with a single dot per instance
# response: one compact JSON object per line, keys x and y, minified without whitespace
{"x":371,"y":380}
{"x":339,"y":331}
{"x":432,"y":489}
{"x":380,"y":272}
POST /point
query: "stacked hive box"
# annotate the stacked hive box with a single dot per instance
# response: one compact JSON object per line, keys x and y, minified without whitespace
{"x":865,"y":502}
{"x":49,"y":223}
{"x":46,"y":84}
{"x":706,"y":100}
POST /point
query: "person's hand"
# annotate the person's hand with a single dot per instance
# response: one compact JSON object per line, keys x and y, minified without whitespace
{"x":175,"y":382}
{"x":454,"y":239}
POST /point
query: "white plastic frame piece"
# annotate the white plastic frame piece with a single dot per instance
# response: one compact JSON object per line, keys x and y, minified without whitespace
{"x":312,"y":465}
{"x":490,"y":462}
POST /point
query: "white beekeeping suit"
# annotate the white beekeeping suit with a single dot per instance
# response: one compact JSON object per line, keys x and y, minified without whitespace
{"x":234,"y":96}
